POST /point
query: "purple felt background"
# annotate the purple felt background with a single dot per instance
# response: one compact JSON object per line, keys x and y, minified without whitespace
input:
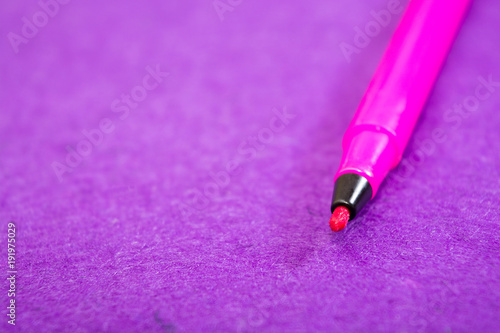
{"x":124,"y":243}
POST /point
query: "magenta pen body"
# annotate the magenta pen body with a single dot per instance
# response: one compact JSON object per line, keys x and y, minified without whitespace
{"x":379,"y":132}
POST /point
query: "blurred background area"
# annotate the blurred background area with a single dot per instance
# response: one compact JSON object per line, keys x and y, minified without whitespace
{"x":229,"y":66}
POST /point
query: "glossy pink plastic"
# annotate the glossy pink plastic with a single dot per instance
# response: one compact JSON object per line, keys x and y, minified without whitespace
{"x":384,"y":121}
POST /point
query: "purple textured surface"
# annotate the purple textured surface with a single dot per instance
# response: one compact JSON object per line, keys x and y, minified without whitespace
{"x":137,"y":238}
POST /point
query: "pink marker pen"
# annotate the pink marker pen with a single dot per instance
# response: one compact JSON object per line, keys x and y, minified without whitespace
{"x":377,"y":136}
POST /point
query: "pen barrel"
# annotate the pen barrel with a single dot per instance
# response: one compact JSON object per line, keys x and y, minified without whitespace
{"x":379,"y":132}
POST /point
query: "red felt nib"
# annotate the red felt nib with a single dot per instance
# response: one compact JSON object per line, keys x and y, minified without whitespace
{"x":339,"y":218}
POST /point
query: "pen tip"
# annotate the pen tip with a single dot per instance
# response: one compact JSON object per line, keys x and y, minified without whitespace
{"x":339,"y":218}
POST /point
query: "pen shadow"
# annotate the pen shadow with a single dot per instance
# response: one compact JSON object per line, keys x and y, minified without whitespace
{"x":306,"y":232}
